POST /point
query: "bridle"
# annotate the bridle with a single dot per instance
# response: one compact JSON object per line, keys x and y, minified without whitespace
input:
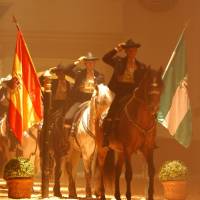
{"x":143,"y":101}
{"x":133,"y":122}
{"x":85,"y":126}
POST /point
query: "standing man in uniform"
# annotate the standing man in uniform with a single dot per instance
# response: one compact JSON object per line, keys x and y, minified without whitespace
{"x":60,"y":88}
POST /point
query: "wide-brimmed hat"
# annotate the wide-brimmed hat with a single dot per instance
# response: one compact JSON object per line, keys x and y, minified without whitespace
{"x":130,"y":44}
{"x":58,"y":68}
{"x":90,"y":56}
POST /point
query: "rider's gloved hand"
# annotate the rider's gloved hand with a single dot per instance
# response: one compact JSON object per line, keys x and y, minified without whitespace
{"x":119,"y":47}
{"x":79,"y":60}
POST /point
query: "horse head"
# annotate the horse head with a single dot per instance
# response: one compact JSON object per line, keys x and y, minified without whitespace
{"x":102,"y":98}
{"x":150,"y":89}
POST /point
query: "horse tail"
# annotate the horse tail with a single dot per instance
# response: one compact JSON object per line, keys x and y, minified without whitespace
{"x":109,"y":170}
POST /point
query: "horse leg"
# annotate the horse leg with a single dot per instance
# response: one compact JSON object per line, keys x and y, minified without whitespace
{"x":100,"y":190}
{"x":72,"y":154}
{"x":151,"y":174}
{"x":88,"y":176}
{"x":128,"y":176}
{"x":118,"y":170}
{"x":58,"y":172}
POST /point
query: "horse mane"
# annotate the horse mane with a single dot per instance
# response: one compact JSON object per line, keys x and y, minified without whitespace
{"x":143,"y":83}
{"x":105,"y":92}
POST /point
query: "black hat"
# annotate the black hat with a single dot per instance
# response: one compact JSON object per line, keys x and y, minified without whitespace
{"x":58,"y":68}
{"x":90,"y":56}
{"x":130,"y":44}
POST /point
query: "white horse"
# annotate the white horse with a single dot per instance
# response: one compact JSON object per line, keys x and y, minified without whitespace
{"x":82,"y":141}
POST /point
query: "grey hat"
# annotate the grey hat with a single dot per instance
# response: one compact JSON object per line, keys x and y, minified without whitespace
{"x":90,"y":56}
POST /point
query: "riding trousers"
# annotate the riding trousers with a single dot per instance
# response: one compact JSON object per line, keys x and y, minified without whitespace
{"x":71,"y":112}
{"x":122,"y":90}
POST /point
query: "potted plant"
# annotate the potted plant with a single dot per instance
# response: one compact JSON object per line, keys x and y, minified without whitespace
{"x":173,"y":175}
{"x":18,"y":172}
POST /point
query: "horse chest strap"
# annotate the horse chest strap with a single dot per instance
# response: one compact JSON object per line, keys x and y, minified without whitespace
{"x":140,"y":128}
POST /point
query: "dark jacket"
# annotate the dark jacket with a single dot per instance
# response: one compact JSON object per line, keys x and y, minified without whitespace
{"x":119,"y":66}
{"x":79,"y":74}
{"x":54,"y":84}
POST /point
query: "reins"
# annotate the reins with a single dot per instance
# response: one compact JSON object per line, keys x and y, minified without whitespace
{"x":90,"y":133}
{"x":133,"y":122}
{"x":36,"y":144}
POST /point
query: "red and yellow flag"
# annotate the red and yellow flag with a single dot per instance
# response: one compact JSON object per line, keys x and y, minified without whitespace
{"x":25,"y":107}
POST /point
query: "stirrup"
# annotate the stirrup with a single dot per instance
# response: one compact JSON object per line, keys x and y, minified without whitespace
{"x":109,"y":119}
{"x":105,"y":143}
{"x":67,"y":126}
{"x":107,"y":125}
{"x":73,"y":128}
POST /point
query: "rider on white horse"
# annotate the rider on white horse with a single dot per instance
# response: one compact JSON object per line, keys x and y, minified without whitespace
{"x":85,"y":81}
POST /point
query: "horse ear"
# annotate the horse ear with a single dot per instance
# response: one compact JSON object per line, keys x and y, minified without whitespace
{"x":161,"y":71}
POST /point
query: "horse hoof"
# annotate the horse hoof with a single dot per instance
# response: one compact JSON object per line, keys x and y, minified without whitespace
{"x":73,"y":196}
{"x":88,"y":196}
{"x":58,"y":194}
{"x":97,"y":195}
{"x":103,"y":197}
{"x":117,"y":197}
{"x":128,"y":196}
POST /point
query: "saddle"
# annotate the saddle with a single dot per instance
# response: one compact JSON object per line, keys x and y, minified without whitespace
{"x":122,"y":104}
{"x":111,"y":121}
{"x":76,"y":117}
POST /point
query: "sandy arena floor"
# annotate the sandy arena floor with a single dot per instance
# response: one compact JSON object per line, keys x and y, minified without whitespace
{"x":138,"y":191}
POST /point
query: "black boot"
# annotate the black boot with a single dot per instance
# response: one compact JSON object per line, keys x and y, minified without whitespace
{"x":107,"y":126}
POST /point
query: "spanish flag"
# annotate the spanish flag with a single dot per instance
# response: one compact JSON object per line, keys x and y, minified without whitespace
{"x":25,"y":107}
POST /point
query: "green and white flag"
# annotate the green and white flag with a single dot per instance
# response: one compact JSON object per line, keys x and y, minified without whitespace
{"x":175,"y":111}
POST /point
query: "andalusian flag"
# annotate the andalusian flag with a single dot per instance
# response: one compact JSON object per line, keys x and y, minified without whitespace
{"x":175,"y":110}
{"x":25,"y":108}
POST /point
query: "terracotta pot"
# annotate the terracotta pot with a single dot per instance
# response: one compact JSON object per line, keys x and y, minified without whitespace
{"x":20,"y":187}
{"x":175,"y":190}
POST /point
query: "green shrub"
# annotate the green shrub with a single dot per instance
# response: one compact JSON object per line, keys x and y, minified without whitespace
{"x":18,"y":167}
{"x":173,"y":170}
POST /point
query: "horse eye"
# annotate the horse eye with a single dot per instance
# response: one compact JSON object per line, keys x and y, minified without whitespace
{"x":154,"y":84}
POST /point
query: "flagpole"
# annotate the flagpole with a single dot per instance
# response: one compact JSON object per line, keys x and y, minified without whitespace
{"x":173,"y":53}
{"x":16,"y":23}
{"x":45,"y":136}
{"x":45,"y":129}
{"x":18,"y":28}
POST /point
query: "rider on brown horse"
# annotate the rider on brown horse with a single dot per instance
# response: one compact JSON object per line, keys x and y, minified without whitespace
{"x":128,"y":72}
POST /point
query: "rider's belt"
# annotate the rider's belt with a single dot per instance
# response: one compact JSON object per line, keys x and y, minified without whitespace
{"x":127,"y":76}
{"x":87,"y":86}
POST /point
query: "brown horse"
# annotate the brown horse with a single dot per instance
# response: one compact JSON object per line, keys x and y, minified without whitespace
{"x":135,"y":130}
